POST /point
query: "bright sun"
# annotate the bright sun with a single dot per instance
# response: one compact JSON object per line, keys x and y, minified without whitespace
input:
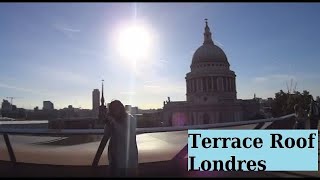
{"x":134,"y":42}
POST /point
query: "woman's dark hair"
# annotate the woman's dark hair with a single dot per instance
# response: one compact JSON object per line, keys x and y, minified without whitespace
{"x":116,"y":104}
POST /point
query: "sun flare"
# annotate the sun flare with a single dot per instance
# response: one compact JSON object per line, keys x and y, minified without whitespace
{"x":134,"y":42}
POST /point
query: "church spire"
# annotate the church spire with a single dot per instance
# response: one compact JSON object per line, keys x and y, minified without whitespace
{"x":207,"y":34}
{"x":102,"y":98}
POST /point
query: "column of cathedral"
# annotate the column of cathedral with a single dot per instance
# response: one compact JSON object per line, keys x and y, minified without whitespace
{"x":227,"y":84}
{"x":211,"y":84}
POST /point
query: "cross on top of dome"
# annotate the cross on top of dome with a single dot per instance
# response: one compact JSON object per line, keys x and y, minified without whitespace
{"x":209,"y":52}
{"x":207,"y":34}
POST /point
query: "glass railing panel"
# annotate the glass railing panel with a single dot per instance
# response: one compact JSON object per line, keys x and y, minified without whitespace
{"x":76,"y":150}
{"x":155,"y":147}
{"x":80,"y":150}
{"x":4,"y":155}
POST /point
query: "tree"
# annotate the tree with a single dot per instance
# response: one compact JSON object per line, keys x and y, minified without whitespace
{"x":284,"y":102}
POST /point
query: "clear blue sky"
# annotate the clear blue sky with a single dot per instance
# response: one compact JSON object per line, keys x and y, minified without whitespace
{"x":60,"y":52}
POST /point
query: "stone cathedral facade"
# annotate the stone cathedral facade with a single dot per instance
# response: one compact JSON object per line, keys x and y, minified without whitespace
{"x":211,"y":95}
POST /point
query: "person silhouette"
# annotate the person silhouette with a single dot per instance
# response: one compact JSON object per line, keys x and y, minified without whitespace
{"x":122,"y":149}
{"x":300,"y":119}
{"x":313,"y":114}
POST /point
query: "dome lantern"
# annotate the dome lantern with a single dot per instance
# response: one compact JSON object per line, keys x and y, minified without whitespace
{"x":207,"y":34}
{"x":208,"y":52}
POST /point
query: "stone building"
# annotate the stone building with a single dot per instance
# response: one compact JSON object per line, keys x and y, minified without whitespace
{"x":211,"y":95}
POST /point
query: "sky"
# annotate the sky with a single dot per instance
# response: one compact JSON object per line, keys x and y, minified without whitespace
{"x":61,"y":51}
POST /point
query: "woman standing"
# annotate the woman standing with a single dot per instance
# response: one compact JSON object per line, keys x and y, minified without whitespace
{"x":122,"y":150}
{"x":313,"y":114}
{"x":300,"y":118}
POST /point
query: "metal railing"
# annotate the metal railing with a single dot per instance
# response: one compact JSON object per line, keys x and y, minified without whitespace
{"x":64,"y":132}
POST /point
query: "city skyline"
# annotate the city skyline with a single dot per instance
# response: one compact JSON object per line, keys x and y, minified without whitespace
{"x":60,"y":52}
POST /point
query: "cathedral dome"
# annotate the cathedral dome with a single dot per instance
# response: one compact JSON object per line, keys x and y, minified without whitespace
{"x":209,"y":52}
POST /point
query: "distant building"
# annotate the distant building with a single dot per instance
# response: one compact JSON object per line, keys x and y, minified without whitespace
{"x":131,"y":110}
{"x":6,"y":106}
{"x":149,"y":119}
{"x":266,"y":107}
{"x":36,"y":108}
{"x":211,"y":95}
{"x":128,"y":108}
{"x":48,"y":105}
{"x":142,"y":111}
{"x":84,"y":112}
{"x":95,"y":101}
{"x":134,"y":110}
{"x":102,"y":109}
{"x":11,"y":111}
